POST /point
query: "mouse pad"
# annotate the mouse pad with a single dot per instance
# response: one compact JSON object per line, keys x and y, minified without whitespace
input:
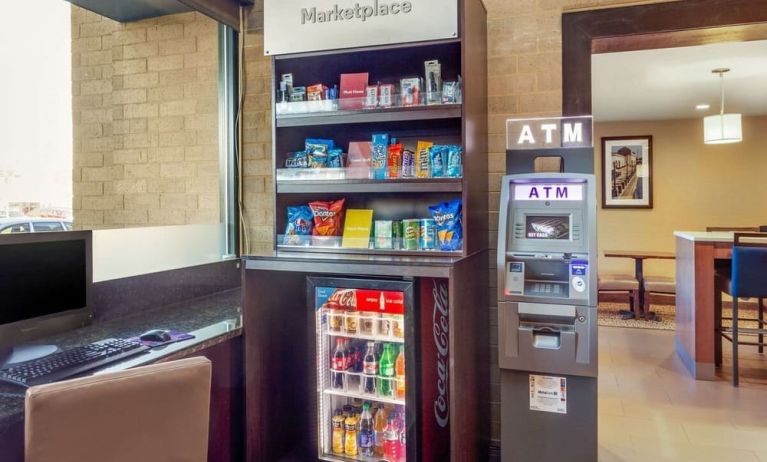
{"x":175,"y":336}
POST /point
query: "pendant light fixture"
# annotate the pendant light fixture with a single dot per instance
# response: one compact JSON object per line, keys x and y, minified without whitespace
{"x":722,"y":128}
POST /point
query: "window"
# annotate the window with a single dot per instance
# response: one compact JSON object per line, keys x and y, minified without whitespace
{"x":115,"y":126}
{"x":16,"y":228}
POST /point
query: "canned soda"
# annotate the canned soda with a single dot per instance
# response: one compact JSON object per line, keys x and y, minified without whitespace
{"x":427,"y":234}
{"x":396,"y":228}
{"x":410,"y":233}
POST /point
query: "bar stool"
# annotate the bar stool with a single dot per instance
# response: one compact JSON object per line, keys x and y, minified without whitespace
{"x":621,"y":283}
{"x":747,"y":280}
{"x":656,"y":285}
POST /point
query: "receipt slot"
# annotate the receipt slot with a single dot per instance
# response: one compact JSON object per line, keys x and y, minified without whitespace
{"x":547,"y":317}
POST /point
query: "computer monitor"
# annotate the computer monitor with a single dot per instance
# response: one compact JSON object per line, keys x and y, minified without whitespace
{"x":46,"y":282}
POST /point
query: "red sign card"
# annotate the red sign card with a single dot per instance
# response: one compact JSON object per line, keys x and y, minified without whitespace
{"x":377,"y":301}
{"x":353,"y":88}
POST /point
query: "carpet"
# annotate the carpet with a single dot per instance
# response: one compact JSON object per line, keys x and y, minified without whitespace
{"x":608,"y":315}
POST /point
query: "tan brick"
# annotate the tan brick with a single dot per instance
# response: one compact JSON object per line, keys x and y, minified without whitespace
{"x":95,"y":29}
{"x":135,"y":95}
{"x":139,"y":140}
{"x":170,"y":201}
{"x":95,"y":87}
{"x":166,"y":185}
{"x":102,"y":173}
{"x":126,"y":217}
{"x":88,"y":130}
{"x":102,"y":202}
{"x":93,"y":145}
{"x":130,"y":156}
{"x":208,"y":201}
{"x":178,"y":46}
{"x":184,"y":138}
{"x":257,"y":167}
{"x":167,"y":217}
{"x":166,"y":154}
{"x":139,"y":125}
{"x":178,"y":76}
{"x":202,"y":27}
{"x":87,"y":219}
{"x":95,"y":58}
{"x":164,"y":94}
{"x":134,"y":186}
{"x":200,"y":59}
{"x":201,"y":122}
{"x":133,"y":111}
{"x":256,"y":151}
{"x":201,"y":185}
{"x":120,"y":127}
{"x":86,"y":44}
{"x":167,"y":124}
{"x":128,"y":36}
{"x":177,"y":170}
{"x":209,"y":136}
{"x":82,"y":16}
{"x":541,"y":103}
{"x":142,"y":171}
{"x":86,"y":102}
{"x":140,"y":50}
{"x":192,"y":153}
{"x":208,"y":168}
{"x":141,"y":201}
{"x":87,"y":189}
{"x":89,"y":159}
{"x":199,"y":90}
{"x":165,"y":63}
{"x":86,"y":73}
{"x":165,"y":32}
{"x":149,"y":79}
{"x":130,"y":66}
{"x":175,"y":108}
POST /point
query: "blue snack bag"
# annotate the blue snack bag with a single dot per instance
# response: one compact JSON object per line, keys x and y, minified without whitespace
{"x":447,"y":217}
{"x":335,"y":158}
{"x":318,"y":159}
{"x":318,"y":145}
{"x":437,"y":157}
{"x":454,"y":166}
{"x":297,"y":160}
{"x":379,"y":155}
{"x":300,"y":223}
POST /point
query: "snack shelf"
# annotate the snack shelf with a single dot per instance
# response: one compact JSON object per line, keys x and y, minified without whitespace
{"x":364,"y":185}
{"x":362,"y":396}
{"x":332,"y":244}
{"x":377,"y":115}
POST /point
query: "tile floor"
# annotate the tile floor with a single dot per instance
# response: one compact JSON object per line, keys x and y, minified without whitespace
{"x":651,"y":410}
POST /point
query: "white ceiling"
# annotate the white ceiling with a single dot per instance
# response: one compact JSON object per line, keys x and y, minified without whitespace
{"x":668,"y":83}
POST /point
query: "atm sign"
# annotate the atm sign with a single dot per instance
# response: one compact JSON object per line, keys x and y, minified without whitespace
{"x":548,"y":192}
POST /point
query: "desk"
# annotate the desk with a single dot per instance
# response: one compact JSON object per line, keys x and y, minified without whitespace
{"x":695,"y":339}
{"x":216,"y":323}
{"x":639,"y":257}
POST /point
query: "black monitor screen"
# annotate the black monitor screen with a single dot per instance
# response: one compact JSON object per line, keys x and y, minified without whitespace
{"x":42,"y":278}
{"x":547,"y":227}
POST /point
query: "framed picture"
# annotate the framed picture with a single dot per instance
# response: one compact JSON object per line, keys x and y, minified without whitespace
{"x":627,"y":172}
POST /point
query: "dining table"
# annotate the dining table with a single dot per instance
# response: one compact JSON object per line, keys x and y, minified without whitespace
{"x":639,"y":257}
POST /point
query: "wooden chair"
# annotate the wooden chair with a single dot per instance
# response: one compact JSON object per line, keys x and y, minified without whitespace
{"x":656,"y":285}
{"x":744,"y":229}
{"x":621,"y":283}
{"x":158,"y":413}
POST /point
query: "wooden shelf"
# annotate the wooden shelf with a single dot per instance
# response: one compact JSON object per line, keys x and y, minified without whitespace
{"x":425,"y":185}
{"x":398,"y":114}
{"x":341,"y":250}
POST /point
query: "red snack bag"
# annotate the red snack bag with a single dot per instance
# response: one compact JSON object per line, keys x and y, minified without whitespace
{"x":328,"y":217}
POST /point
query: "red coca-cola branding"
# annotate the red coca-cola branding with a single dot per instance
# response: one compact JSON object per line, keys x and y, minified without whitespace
{"x":435,"y":353}
{"x":342,"y":299}
{"x":380,"y":301}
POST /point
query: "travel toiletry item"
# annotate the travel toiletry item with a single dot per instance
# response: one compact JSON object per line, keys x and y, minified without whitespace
{"x":394,"y":160}
{"x":433,"y":73}
{"x":353,"y":88}
{"x":447,"y":217}
{"x":422,"y":160}
{"x":288,"y":79}
{"x":371,"y":96}
{"x":410,"y":91}
{"x":379,"y":155}
{"x":449,"y":92}
{"x":454,"y":164}
{"x":298,"y":94}
{"x":437,"y":159}
{"x":386,"y":95}
{"x":315,"y":92}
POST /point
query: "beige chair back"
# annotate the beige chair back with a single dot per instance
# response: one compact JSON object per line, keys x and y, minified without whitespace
{"x":710,"y":229}
{"x":155,"y":413}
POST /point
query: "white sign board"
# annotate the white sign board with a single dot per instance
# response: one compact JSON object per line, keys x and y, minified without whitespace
{"x":297,"y":26}
{"x":549,"y":192}
{"x":548,"y":394}
{"x":550,"y":132}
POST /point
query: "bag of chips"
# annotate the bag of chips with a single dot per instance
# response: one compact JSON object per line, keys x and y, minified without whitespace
{"x":297,"y":160}
{"x":454,"y":164}
{"x":447,"y":217}
{"x":328,"y":217}
{"x":318,"y":159}
{"x":335,"y":158}
{"x":318,"y":145}
{"x":437,"y":158}
{"x":300,"y":223}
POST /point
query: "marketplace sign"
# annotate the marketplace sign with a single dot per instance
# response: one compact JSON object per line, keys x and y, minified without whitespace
{"x":298,"y":26}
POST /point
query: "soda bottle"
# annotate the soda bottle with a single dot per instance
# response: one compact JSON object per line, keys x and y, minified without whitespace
{"x":350,"y":436}
{"x":338,"y":433}
{"x":338,"y":364}
{"x":370,"y":369}
{"x":401,"y":453}
{"x":379,"y":425}
{"x":366,"y":432}
{"x":399,"y":370}
{"x":386,"y":371}
{"x":391,"y":440}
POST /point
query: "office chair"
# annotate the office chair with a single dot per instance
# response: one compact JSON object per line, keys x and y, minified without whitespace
{"x":158,"y":413}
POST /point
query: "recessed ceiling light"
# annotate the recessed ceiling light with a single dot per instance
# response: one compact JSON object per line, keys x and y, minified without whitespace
{"x":702,"y":107}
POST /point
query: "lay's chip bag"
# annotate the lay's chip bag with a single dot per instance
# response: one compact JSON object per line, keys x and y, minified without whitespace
{"x":447,"y":216}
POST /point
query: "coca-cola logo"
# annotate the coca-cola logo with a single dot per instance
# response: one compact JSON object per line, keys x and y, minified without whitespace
{"x":440,"y":329}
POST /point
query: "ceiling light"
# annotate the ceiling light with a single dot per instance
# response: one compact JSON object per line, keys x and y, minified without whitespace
{"x":722,"y":128}
{"x":702,"y":107}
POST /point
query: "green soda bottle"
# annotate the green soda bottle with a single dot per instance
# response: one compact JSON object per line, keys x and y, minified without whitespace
{"x":386,"y":371}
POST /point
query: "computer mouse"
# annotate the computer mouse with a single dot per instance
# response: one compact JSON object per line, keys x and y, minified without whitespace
{"x":155,"y":335}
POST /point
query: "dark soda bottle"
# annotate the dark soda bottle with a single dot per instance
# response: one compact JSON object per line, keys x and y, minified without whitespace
{"x":338,"y":365}
{"x":370,"y":369}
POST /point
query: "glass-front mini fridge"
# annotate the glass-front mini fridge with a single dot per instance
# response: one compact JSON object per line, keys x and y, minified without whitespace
{"x":370,"y":372}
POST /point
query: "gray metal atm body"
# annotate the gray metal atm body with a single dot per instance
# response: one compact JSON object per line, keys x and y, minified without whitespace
{"x":547,"y":316}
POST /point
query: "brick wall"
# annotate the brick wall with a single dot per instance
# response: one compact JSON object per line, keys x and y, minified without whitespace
{"x":145,"y":113}
{"x":524,"y":79}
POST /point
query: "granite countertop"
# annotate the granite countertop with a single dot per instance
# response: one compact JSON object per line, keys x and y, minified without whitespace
{"x":208,"y":317}
{"x":702,"y":236}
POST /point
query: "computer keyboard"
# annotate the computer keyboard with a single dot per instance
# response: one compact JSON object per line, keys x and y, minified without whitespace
{"x":68,"y":363}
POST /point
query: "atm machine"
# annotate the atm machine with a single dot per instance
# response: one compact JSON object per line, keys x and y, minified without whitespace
{"x":547,"y":317}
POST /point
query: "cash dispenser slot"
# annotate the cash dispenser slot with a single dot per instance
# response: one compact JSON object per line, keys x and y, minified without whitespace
{"x":547,"y":278}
